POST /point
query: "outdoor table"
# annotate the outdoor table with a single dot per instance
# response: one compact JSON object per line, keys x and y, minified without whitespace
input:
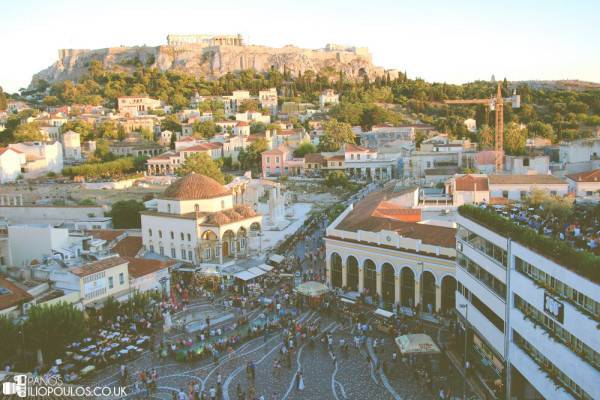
{"x":87,"y":340}
{"x":77,"y":357}
{"x":125,"y":339}
{"x":85,"y":350}
{"x":87,"y":369}
{"x":114,"y":345}
{"x":140,"y":341}
{"x":123,"y":352}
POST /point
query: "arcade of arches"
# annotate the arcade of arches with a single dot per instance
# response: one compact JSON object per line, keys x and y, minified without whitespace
{"x":400,"y":284}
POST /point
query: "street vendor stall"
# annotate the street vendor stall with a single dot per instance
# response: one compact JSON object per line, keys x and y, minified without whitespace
{"x":276,"y":260}
{"x":384,"y":321}
{"x":312,"y":291}
{"x":418,"y":343}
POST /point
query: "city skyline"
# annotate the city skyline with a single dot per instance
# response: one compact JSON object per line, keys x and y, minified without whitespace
{"x":453,"y":44}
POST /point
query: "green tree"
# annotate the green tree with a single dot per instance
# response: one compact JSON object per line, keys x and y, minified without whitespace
{"x":486,"y":137}
{"x":28,"y":132}
{"x":49,"y":328}
{"x":204,"y":129}
{"x":336,"y":179}
{"x":170,"y":123}
{"x":125,"y":214}
{"x":515,"y":139}
{"x":203,"y":164}
{"x":84,"y":128}
{"x":541,"y":129}
{"x":9,"y":333}
{"x":249,"y":105}
{"x":251,"y":158}
{"x":107,"y":130}
{"x":335,"y":135}
{"x":3,"y":101}
{"x":305,"y":148}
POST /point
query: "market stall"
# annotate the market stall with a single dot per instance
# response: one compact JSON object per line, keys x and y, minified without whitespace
{"x":312,"y":292}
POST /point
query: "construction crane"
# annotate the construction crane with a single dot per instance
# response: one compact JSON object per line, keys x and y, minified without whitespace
{"x":497,"y":104}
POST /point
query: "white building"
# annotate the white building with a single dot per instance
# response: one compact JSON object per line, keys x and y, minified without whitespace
{"x":517,"y":187}
{"x":196,"y":221}
{"x":328,"y":98}
{"x":146,"y":274}
{"x":72,"y":145}
{"x":379,"y":246}
{"x":34,"y":242}
{"x":530,"y":318}
{"x":471,"y":125}
{"x":580,"y":155}
{"x":133,"y":106}
{"x":10,"y":164}
{"x":468,"y":189}
{"x":585,"y":184}
{"x":40,"y":157}
{"x":527,"y":165}
{"x":268,"y":99}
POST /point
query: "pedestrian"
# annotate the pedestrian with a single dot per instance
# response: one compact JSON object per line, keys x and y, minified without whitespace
{"x":212,"y":393}
{"x":301,"y":383}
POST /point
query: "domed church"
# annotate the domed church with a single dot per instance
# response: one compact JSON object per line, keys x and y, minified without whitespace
{"x":196,"y":221}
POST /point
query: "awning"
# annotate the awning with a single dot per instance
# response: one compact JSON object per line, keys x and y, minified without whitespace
{"x":312,"y":289}
{"x":245,"y":275}
{"x":265,"y":267}
{"x":418,"y":343}
{"x":276,"y":258}
{"x":384,"y":313}
{"x":256,"y":271}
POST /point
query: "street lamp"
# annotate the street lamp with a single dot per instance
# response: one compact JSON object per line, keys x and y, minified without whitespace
{"x":422,"y":265}
{"x":466,"y":307}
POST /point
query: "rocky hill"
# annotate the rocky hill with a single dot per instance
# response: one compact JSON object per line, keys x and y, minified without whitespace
{"x":213,"y":61}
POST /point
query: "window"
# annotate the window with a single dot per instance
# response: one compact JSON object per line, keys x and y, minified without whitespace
{"x":526,"y":162}
{"x":268,"y":160}
{"x":358,"y":156}
{"x":161,"y":250}
{"x":588,"y":193}
{"x":168,"y":208}
{"x":149,"y":232}
{"x":121,"y":278}
{"x":222,"y":204}
{"x":481,"y":275}
{"x":352,"y":156}
{"x":172,"y":235}
{"x":189,"y":237}
{"x":152,"y":248}
{"x":277,"y":160}
{"x":173,"y":253}
{"x":110,"y":282}
{"x":523,"y":194}
{"x":183,"y":254}
{"x":505,"y":194}
{"x":160,"y":233}
{"x":190,"y":255}
{"x":182,"y":235}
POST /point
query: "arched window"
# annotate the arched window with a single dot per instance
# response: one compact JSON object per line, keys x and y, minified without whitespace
{"x":160,"y":233}
{"x":149,"y":232}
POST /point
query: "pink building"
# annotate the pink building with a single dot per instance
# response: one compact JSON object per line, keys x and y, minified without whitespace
{"x":280,"y":161}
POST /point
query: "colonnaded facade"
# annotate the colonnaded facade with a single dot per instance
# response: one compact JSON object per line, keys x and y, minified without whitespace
{"x":405,"y":263}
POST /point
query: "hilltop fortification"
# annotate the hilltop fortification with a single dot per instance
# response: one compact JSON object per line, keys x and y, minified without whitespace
{"x":213,"y":56}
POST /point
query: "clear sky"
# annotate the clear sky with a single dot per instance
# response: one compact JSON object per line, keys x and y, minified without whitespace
{"x":445,"y":41}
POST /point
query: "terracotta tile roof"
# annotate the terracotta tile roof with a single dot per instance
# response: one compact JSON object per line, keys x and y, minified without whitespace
{"x":106,"y":234}
{"x":12,"y":295}
{"x":203,"y":147}
{"x":339,"y":157}
{"x":313,"y":158}
{"x":4,"y":149}
{"x":469,"y":183}
{"x":360,"y":218}
{"x":587,"y":176}
{"x":238,"y":213}
{"x":349,"y":147}
{"x":390,"y":210}
{"x":242,"y":123}
{"x":273,"y":152}
{"x":485,"y":157}
{"x":129,"y":246}
{"x":195,"y":187}
{"x":144,"y":266}
{"x":98,"y":266}
{"x":525,"y":179}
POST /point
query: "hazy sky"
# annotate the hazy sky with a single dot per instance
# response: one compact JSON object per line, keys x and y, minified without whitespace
{"x":451,"y":41}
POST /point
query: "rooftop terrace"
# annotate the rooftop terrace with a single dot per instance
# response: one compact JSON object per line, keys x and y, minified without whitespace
{"x":568,"y":236}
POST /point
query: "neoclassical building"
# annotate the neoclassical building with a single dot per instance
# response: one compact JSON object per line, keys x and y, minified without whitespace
{"x":376,"y":246}
{"x":197,"y":221}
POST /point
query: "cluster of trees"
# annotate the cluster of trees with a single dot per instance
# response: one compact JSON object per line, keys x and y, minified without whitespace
{"x":126,"y":214}
{"x":335,"y":135}
{"x":47,"y":331}
{"x":554,"y":114}
{"x":203,"y":164}
{"x":251,"y":159}
{"x":107,"y":169}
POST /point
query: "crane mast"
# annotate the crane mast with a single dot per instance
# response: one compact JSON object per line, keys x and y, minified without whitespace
{"x":495,"y":104}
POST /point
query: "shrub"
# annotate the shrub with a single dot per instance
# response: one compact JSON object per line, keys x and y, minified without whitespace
{"x":581,"y":262}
